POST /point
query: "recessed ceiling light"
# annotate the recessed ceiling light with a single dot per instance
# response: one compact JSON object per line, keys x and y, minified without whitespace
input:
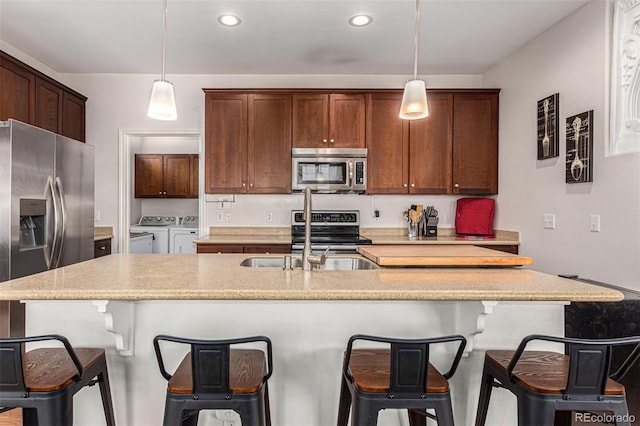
{"x":360,"y":20}
{"x":229,"y":20}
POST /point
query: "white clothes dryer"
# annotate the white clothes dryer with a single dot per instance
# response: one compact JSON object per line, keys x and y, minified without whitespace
{"x":181,"y":236}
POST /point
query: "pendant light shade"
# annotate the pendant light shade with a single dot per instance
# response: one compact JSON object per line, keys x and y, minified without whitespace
{"x":414,"y":99}
{"x":162,"y":105}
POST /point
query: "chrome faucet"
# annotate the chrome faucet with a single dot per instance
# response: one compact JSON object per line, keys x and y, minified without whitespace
{"x":308,"y":258}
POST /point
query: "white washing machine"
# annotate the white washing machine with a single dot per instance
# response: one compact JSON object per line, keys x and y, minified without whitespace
{"x":140,"y":242}
{"x":159,"y":227}
{"x":181,"y":236}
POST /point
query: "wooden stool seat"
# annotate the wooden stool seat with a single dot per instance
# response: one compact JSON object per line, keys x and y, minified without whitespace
{"x":398,"y":376}
{"x":42,"y":382}
{"x":247,"y":368}
{"x":50,"y":369}
{"x":370,"y":371}
{"x":543,"y":371}
{"x":548,"y":385}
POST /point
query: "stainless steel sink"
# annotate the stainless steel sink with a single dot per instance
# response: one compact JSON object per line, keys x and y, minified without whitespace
{"x":331,"y":264}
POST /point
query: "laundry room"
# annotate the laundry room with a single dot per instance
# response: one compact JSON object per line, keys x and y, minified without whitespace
{"x":163,"y":192}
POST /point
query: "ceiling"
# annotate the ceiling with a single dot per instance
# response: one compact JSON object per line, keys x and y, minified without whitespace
{"x":275,"y":36}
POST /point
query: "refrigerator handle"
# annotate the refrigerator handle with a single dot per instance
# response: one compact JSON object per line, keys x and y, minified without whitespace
{"x":49,"y":255}
{"x":62,"y":222}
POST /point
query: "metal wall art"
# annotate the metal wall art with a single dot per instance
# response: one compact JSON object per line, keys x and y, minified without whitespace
{"x":579,"y":165}
{"x":548,"y":127}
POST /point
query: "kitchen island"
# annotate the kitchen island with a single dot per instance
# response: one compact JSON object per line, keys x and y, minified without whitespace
{"x":308,"y":315}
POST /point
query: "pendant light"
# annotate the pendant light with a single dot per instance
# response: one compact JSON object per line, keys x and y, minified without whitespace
{"x":162,"y":105}
{"x":414,"y":99}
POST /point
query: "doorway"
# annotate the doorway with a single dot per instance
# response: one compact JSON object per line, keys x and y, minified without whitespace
{"x":144,"y":141}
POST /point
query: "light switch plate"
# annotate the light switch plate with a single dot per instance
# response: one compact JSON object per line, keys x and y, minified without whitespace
{"x":595,"y":223}
{"x":549,"y":221}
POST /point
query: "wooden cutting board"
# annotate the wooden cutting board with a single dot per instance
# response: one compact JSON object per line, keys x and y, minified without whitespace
{"x":440,"y":255}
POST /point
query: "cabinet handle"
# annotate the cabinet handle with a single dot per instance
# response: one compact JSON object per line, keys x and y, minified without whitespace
{"x":413,"y":185}
{"x":103,"y":248}
{"x":324,"y":140}
{"x":244,"y":184}
{"x":160,"y":193}
{"x":332,"y":140}
{"x":404,"y":185}
{"x":251,"y":185}
{"x":456,"y":185}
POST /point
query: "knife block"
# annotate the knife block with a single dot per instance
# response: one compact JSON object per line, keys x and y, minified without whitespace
{"x":431,"y":232}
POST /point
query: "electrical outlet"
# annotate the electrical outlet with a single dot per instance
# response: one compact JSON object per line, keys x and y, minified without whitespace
{"x":595,"y":223}
{"x":220,"y":217}
{"x":268,"y":217}
{"x":444,"y":218}
{"x":227,"y":217}
{"x":549,"y":221}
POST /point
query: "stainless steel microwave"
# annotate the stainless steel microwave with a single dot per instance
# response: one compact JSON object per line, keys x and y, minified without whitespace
{"x":329,"y":170}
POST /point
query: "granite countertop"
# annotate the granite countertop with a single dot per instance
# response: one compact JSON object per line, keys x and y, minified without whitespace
{"x":102,"y":233}
{"x":220,"y":277}
{"x":261,"y":235}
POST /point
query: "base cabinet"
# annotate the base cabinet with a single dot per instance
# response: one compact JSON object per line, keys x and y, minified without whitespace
{"x":244,"y":248}
{"x":101,"y":248}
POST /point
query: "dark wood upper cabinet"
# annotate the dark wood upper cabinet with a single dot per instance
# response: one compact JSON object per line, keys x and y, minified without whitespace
{"x":247,"y":143}
{"x":452,"y":151}
{"x":226,"y":146}
{"x":73,"y":116}
{"x":165,"y":176}
{"x":34,"y":98}
{"x":48,"y":105}
{"x":475,"y":143}
{"x":430,"y":147}
{"x":17,"y":91}
{"x":269,"y":162}
{"x":387,"y":145}
{"x":329,"y":120}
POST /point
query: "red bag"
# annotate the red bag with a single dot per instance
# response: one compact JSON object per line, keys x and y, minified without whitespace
{"x":474,"y":216}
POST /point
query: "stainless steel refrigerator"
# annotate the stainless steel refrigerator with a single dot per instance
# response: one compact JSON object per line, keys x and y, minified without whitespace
{"x":46,"y":203}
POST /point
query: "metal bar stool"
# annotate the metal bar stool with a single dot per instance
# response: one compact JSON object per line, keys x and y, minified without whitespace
{"x":43,"y":381}
{"x":214,"y":376}
{"x":545,"y":382}
{"x":399,"y":377}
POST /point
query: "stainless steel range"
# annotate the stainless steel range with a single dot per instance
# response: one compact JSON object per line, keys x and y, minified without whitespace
{"x":337,"y":229}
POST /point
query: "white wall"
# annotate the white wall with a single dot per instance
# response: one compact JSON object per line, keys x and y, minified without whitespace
{"x":570,"y":59}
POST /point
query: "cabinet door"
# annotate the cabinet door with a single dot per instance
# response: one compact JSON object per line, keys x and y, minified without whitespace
{"x":269,"y":144}
{"x":148,"y":176}
{"x":219,"y":248}
{"x":267,"y":248}
{"x":194,"y":185}
{"x":430,"y":148}
{"x":387,"y":145}
{"x":48,"y":105}
{"x":310,"y":121}
{"x":475,"y":143}
{"x":17,"y":91}
{"x":177,"y":175}
{"x":346,"y":121}
{"x":225,"y":144}
{"x":73,"y":116}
